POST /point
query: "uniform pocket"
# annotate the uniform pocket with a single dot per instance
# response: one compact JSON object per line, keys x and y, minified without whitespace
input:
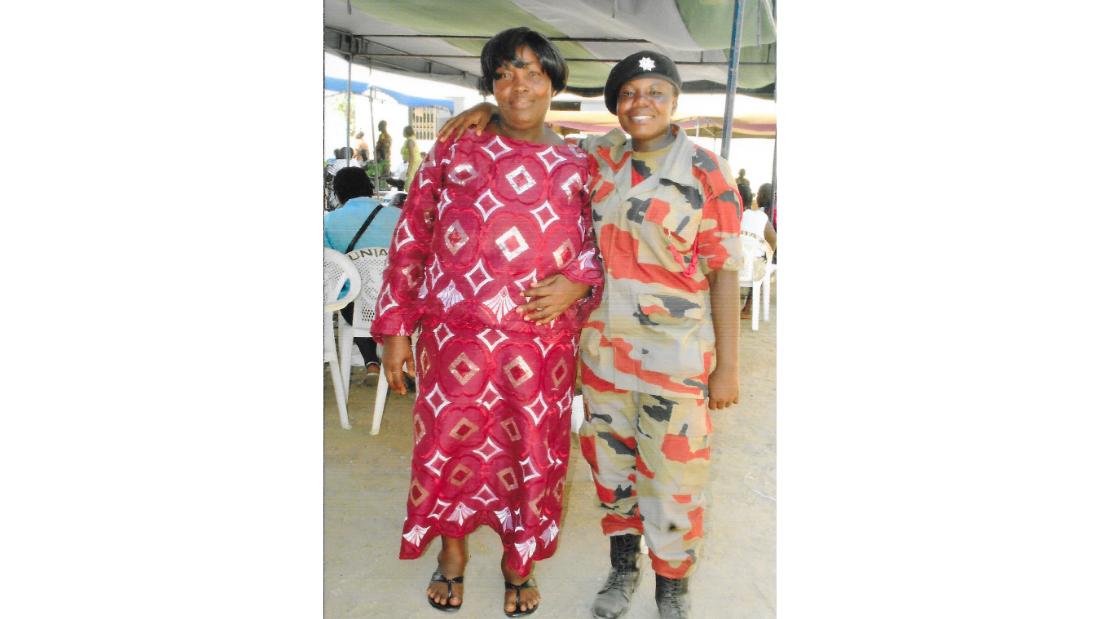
{"x":670,"y":332}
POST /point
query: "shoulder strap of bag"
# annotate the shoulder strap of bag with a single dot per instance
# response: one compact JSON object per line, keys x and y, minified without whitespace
{"x":362,"y":229}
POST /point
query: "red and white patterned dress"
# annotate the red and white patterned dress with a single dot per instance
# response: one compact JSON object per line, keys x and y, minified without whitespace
{"x":486,"y":217}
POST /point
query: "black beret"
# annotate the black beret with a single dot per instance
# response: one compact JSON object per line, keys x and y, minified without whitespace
{"x":641,"y":64}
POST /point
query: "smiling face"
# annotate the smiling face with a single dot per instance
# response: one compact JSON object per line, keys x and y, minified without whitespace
{"x":645,"y":109}
{"x":522,"y":91}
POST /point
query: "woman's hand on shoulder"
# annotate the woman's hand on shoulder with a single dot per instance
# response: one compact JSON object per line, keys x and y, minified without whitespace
{"x":476,"y":118}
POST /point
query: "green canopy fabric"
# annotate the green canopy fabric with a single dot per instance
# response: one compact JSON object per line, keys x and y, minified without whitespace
{"x":441,"y":39}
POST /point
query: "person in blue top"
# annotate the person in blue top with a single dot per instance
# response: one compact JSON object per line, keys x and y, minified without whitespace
{"x":347,"y":228}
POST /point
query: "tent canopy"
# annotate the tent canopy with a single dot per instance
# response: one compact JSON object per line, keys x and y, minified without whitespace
{"x":442,"y":40}
{"x":341,"y":85}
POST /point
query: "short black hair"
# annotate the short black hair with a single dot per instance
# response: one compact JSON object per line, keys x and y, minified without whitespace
{"x":352,"y":182}
{"x":764,"y":196}
{"x":503,"y":48}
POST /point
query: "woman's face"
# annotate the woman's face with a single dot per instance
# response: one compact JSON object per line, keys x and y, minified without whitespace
{"x":523,"y":91}
{"x":645,"y":107}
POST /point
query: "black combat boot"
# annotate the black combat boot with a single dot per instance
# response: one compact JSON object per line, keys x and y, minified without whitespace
{"x":614,"y":598}
{"x":672,"y":599}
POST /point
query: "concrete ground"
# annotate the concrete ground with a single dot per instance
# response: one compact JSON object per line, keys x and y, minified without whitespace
{"x":366,"y":484}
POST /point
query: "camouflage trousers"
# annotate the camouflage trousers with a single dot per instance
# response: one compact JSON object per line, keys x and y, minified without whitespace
{"x":650,"y":457}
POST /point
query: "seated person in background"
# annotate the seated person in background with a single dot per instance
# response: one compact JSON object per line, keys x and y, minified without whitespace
{"x":766,"y":198}
{"x":361,"y":222}
{"x":342,"y":158}
{"x":756,"y":225}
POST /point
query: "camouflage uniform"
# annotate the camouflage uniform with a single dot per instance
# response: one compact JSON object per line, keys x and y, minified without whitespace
{"x":648,"y":348}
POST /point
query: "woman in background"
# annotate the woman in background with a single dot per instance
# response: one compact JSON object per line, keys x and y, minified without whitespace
{"x":410,"y":154}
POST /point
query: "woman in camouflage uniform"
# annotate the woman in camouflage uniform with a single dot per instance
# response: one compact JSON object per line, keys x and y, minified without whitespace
{"x":660,"y":349}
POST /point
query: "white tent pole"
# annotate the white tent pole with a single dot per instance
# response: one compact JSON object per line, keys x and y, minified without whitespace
{"x":347,"y":112}
{"x":731,"y":80}
{"x":775,"y":144}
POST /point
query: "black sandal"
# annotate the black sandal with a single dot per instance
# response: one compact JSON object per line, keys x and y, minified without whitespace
{"x":446,"y":606}
{"x":527,"y":584}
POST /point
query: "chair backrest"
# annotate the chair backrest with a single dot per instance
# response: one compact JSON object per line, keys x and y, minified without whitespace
{"x":339,"y":271}
{"x":751,"y":249}
{"x":370,"y":262}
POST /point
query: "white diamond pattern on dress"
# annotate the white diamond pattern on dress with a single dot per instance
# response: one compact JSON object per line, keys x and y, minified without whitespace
{"x":435,"y":465}
{"x":529,"y":470}
{"x":571,"y":185}
{"x":496,"y":148}
{"x":435,"y":272}
{"x":558,"y":373}
{"x":492,"y":344}
{"x":403,"y":236}
{"x":490,"y":397}
{"x":386,"y":301}
{"x":487,"y":203}
{"x":440,"y":507}
{"x":550,"y":158}
{"x":450,"y":295}
{"x":537,"y":409}
{"x":500,"y":304}
{"x":489,"y":450}
{"x":564,"y":253}
{"x":518,"y":372}
{"x":442,"y":333}
{"x":544,"y":347}
{"x":484,"y":495}
{"x":462,"y":173}
{"x":455,"y":237}
{"x":526,"y":282}
{"x":463,"y":369}
{"x":545,"y":215}
{"x":444,"y":202}
{"x":511,"y":243}
{"x":481,"y":274}
{"x":436,"y":400}
{"x":520,"y":180}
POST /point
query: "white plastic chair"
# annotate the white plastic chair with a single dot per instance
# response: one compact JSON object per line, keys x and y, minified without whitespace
{"x":576,"y":418}
{"x":751,"y":248}
{"x":370,"y":263}
{"x":769,"y":272}
{"x":339,"y":270}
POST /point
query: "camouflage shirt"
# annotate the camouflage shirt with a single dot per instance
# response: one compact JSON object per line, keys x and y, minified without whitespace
{"x":660,"y":231}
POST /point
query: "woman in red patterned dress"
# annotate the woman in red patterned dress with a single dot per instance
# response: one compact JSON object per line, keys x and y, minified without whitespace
{"x":489,"y":220}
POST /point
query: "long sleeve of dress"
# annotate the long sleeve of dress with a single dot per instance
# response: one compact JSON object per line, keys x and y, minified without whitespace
{"x":586,"y":267}
{"x":399,"y":307}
